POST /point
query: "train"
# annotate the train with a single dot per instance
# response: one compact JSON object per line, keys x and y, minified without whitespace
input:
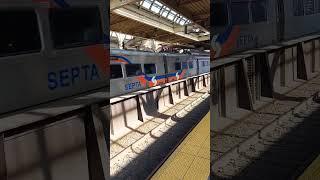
{"x":50,"y":50}
{"x":132,"y":71}
{"x":239,"y":25}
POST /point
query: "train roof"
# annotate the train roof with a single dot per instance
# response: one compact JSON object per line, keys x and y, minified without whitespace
{"x":147,"y":53}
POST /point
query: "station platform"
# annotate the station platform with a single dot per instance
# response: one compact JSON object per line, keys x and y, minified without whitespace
{"x":191,"y":159}
{"x":148,"y":142}
{"x":313,"y":171}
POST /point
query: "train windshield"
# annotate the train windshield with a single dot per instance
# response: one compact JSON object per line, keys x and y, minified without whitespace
{"x":219,"y":15}
{"x":72,"y":27}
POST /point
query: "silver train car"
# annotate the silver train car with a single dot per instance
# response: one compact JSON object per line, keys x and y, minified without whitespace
{"x":50,"y":50}
{"x":133,"y":70}
{"x":238,"y":25}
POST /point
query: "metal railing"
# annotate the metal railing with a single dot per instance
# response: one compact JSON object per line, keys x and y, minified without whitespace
{"x":146,"y":104}
{"x":93,"y":117}
{"x":239,"y":81}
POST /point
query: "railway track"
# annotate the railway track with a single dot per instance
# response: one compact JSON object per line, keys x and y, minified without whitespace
{"x":277,"y":142}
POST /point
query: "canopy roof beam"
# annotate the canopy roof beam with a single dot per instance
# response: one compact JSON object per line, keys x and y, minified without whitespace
{"x":154,"y":21}
{"x":115,"y":4}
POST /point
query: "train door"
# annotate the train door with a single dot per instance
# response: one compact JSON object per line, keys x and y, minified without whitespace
{"x":198,"y":70}
{"x":117,"y":72}
{"x":192,"y":71}
{"x":165,"y":62}
{"x":280,"y":20}
{"x":185,"y":72}
{"x":200,"y":66}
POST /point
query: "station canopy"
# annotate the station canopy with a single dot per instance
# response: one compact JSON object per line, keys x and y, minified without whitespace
{"x":172,"y":21}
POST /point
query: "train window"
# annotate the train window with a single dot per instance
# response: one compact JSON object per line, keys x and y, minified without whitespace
{"x":190,"y":64}
{"x":150,"y":69}
{"x":240,"y":12}
{"x":74,"y":27}
{"x":317,"y":6}
{"x":116,"y":71}
{"x":259,"y":11}
{"x":309,"y":7}
{"x":219,"y":14}
{"x":298,"y":8}
{"x":305,"y":7}
{"x":205,"y":63}
{"x":19,"y":32}
{"x":133,"y":70}
{"x":177,"y":66}
{"x":184,"y":65}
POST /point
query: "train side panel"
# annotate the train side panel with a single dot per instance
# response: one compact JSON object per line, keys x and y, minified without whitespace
{"x":204,"y":64}
{"x":192,"y":65}
{"x":49,"y":72}
{"x":298,"y":22}
{"x":149,"y":69}
{"x":177,"y":67}
{"x":251,"y":31}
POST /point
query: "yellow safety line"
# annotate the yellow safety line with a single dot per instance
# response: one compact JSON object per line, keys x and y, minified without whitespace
{"x":312,"y":172}
{"x":191,"y":159}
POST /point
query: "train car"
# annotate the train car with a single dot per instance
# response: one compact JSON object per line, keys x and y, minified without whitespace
{"x":132,"y":71}
{"x":51,"y":50}
{"x":238,"y":25}
{"x":203,"y":64}
{"x":135,"y":70}
{"x":179,"y":66}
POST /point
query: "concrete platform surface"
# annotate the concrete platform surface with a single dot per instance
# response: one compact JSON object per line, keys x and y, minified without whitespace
{"x":191,"y":159}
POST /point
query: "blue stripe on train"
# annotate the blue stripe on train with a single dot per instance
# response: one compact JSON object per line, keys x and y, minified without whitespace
{"x":162,"y":76}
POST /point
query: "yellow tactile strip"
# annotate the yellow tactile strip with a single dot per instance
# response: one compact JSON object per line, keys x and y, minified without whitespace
{"x":312,"y":172}
{"x":191,"y":160}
